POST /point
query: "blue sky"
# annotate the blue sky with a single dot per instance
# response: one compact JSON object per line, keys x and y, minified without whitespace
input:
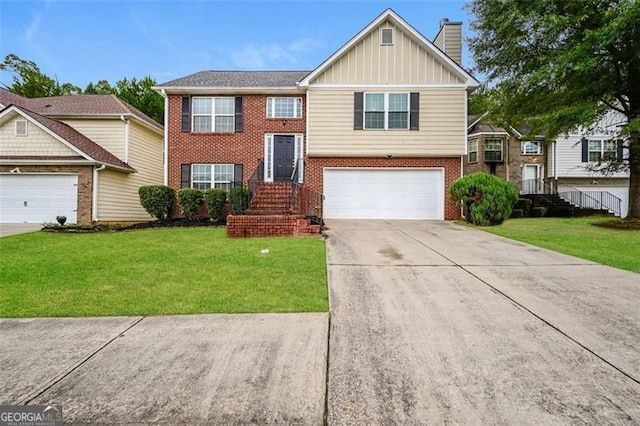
{"x":87,"y":41}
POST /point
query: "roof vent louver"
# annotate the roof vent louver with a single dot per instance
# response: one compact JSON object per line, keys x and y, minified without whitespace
{"x":386,"y":36}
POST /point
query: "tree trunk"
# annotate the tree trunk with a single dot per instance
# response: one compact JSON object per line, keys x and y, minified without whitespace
{"x":634,"y":176}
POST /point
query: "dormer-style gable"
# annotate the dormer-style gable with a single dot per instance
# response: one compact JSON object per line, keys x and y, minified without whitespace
{"x":389,"y":51}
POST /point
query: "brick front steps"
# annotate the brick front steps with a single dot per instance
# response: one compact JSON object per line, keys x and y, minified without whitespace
{"x":270,"y":226}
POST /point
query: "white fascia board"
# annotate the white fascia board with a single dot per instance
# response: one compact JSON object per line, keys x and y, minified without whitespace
{"x":477,"y":120}
{"x":387,"y":86}
{"x":212,"y":90}
{"x":489,"y":134}
{"x":398,"y":22}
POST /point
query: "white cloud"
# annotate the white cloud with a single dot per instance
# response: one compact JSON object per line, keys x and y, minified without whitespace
{"x":31,"y":30}
{"x":272,"y":55}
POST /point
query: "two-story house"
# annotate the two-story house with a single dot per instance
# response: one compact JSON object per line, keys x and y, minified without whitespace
{"x":82,"y":156}
{"x":510,"y":153}
{"x":379,"y":127}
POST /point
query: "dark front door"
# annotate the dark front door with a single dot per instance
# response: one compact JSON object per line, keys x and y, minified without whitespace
{"x":283,"y":154}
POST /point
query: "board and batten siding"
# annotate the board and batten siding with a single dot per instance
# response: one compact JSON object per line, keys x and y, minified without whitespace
{"x":37,"y":142}
{"x":442,"y":129}
{"x":567,"y":156}
{"x":404,"y":62}
{"x":108,"y":133}
{"x":118,"y":198}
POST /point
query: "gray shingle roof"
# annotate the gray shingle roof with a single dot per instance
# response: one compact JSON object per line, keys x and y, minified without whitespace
{"x":238,"y":79}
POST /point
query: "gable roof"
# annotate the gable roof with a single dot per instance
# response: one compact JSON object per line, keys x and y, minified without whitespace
{"x":237,"y":79}
{"x":77,"y":105}
{"x":394,"y":18}
{"x":84,"y":146}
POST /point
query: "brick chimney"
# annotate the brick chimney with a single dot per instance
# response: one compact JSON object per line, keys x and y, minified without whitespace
{"x":449,"y":39}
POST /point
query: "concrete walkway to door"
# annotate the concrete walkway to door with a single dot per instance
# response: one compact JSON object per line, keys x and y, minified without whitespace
{"x":434,"y":323}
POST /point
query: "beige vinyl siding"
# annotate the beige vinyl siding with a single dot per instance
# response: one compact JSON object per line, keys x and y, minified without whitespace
{"x":442,"y":125}
{"x":118,"y":198}
{"x":108,"y":133}
{"x":404,"y":62}
{"x":453,"y":43}
{"x":36,"y":143}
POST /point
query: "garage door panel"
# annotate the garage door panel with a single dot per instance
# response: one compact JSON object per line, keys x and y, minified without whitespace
{"x":38,"y":198}
{"x":383,"y":194}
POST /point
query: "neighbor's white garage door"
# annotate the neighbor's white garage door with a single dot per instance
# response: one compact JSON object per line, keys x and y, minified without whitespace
{"x":38,"y":198}
{"x":383,"y":193}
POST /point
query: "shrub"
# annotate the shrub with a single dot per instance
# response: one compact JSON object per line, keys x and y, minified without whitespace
{"x":524,"y":204}
{"x":157,"y":200}
{"x":190,"y":200}
{"x":239,"y":199}
{"x":487,"y":199}
{"x":538,"y":211}
{"x":516,"y":213}
{"x":214,"y":199}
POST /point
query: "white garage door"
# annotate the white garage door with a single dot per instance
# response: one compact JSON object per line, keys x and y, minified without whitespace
{"x":383,"y":193}
{"x":38,"y":198}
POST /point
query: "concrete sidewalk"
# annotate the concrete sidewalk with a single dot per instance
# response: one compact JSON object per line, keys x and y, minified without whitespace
{"x":215,"y":369}
{"x":435,"y":323}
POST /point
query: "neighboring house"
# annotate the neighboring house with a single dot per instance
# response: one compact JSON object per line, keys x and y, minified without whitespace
{"x":571,"y":160}
{"x":379,"y":127}
{"x":80,"y":156}
{"x":509,"y":153}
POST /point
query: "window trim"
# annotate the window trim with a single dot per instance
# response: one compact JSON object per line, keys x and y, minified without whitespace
{"x":485,"y":150}
{"x":297,"y":107}
{"x":386,"y":110}
{"x":470,"y":152}
{"x":523,"y":150}
{"x":26,"y":128}
{"x":212,"y":182}
{"x":213,"y":114}
{"x":601,"y":152}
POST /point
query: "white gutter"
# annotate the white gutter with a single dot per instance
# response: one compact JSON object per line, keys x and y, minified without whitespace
{"x":94,"y":202}
{"x":165,"y":154}
{"x":126,"y":138}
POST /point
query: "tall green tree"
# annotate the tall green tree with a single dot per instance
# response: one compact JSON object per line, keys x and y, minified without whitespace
{"x":139,"y":93}
{"x":30,"y":82}
{"x":560,"y":64}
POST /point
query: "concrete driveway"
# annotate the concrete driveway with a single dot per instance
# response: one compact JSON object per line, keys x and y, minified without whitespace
{"x":7,"y":229}
{"x":436,"y":323}
{"x":431,"y":323}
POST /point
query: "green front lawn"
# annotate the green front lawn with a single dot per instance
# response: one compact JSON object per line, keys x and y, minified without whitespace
{"x":161,"y":271}
{"x":577,"y":237}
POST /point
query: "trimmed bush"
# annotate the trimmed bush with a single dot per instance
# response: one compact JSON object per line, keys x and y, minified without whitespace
{"x":487,"y":199}
{"x":214,"y":199}
{"x":516,"y":213}
{"x":525,"y":205}
{"x":239,"y":199}
{"x":190,"y":200}
{"x":538,"y":211}
{"x":157,"y":200}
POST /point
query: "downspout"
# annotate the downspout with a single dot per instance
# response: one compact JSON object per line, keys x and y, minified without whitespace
{"x":126,"y":138}
{"x":165,"y":154}
{"x":306,"y":148}
{"x":94,"y":198}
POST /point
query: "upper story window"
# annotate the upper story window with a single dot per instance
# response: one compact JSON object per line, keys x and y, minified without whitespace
{"x":21,"y":128}
{"x":531,"y":147}
{"x":386,"y":111}
{"x":213,"y":114}
{"x":493,"y":150}
{"x":284,"y":107}
{"x":602,"y":150}
{"x":473,"y":151}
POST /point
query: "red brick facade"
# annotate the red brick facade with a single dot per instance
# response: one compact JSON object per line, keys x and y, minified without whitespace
{"x":85,"y":185}
{"x":315,"y":166}
{"x":246,"y":147}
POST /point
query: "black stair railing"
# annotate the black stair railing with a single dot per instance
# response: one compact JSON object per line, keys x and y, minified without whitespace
{"x":255,"y":180}
{"x":305,"y":201}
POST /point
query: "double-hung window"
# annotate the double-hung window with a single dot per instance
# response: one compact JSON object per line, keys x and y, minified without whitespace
{"x":602,"y":150}
{"x":493,"y":150}
{"x":206,"y":176}
{"x":284,"y":107}
{"x":213,"y":114}
{"x":386,"y":111}
{"x":531,"y":147}
{"x":473,"y":151}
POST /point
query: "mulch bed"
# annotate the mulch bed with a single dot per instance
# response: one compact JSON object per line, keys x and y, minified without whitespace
{"x":164,"y":223}
{"x":631,"y":224}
